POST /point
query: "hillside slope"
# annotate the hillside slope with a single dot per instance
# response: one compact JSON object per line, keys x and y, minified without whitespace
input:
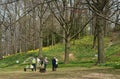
{"x":81,"y":54}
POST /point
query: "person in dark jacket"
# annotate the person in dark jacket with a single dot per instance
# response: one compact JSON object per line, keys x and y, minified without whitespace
{"x":53,"y":64}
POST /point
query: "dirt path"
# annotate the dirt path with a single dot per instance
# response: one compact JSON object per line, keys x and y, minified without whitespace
{"x":63,"y":73}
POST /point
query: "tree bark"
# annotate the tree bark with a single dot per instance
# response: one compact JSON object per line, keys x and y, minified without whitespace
{"x":67,"y":49}
{"x":101,"y":55}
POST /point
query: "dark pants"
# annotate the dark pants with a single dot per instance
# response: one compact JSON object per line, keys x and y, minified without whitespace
{"x":53,"y":67}
{"x":45,"y":65}
{"x":34,"y":65}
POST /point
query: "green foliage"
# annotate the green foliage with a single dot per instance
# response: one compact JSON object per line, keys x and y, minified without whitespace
{"x":117,"y":65}
{"x":112,"y":64}
{"x":115,"y":48}
{"x":81,"y":54}
{"x":112,"y":56}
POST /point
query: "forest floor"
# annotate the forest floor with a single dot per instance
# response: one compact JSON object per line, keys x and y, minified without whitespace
{"x":63,"y":73}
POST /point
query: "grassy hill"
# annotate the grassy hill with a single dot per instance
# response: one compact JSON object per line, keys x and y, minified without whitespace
{"x":81,"y":54}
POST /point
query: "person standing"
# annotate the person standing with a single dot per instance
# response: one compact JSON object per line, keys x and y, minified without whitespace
{"x":42,"y":69}
{"x":56,"y":63}
{"x":45,"y":63}
{"x":53,"y":64}
{"x":34,"y":64}
{"x":38,"y":61}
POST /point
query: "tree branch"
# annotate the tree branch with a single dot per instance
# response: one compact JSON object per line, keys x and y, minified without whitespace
{"x":82,"y":28}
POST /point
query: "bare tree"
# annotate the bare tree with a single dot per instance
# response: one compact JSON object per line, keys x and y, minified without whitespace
{"x":43,"y":15}
{"x":63,"y":12}
{"x":100,"y":8}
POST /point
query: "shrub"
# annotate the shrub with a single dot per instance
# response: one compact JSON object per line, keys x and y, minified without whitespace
{"x":117,"y":65}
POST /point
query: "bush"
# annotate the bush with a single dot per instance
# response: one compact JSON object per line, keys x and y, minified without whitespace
{"x":117,"y":65}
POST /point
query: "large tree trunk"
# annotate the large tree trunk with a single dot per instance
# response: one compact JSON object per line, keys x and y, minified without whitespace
{"x":67,"y":49}
{"x":101,"y":55}
{"x":98,"y":7}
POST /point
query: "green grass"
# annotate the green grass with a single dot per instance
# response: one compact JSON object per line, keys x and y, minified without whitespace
{"x":82,"y":55}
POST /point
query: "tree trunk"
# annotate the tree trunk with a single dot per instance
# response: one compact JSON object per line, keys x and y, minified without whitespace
{"x":53,"y":39}
{"x":0,"y":43}
{"x":67,"y":49}
{"x":40,"y":44}
{"x":101,"y":55}
{"x":105,"y":22}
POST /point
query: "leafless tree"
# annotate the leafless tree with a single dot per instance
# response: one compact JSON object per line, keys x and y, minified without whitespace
{"x":63,"y":12}
{"x":100,"y":8}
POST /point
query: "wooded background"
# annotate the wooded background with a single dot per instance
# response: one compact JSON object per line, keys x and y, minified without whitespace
{"x":33,"y":24}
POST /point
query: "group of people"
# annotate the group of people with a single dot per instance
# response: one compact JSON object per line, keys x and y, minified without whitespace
{"x":42,"y":64}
